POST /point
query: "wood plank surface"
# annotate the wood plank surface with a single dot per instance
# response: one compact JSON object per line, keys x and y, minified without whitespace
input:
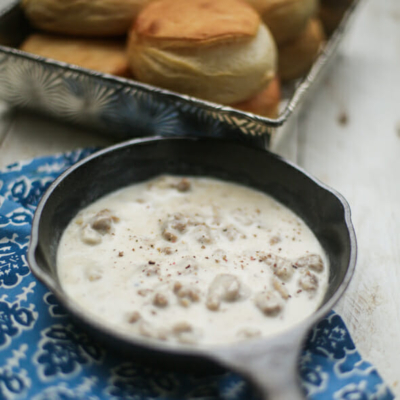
{"x":349,"y":137}
{"x":30,"y":135}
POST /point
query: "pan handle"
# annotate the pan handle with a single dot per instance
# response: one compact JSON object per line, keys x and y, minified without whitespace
{"x":271,"y":365}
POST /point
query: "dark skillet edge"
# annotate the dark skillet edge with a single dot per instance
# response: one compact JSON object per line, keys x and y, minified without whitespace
{"x":152,"y":350}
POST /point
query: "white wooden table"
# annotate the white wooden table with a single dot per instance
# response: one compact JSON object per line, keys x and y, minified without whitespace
{"x":349,"y":137}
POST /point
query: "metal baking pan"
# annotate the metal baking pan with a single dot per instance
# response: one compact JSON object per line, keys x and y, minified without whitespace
{"x":121,"y":108}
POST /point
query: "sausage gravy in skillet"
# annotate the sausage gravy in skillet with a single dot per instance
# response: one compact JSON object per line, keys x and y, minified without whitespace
{"x":192,"y":261}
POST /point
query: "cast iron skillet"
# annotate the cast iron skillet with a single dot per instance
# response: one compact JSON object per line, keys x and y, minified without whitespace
{"x":270,"y":363}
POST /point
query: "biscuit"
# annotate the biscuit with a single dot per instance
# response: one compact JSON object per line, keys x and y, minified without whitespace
{"x":286,"y":19}
{"x":265,"y":103}
{"x":104,"y":55}
{"x":331,"y":13}
{"x":296,"y":57}
{"x":83,"y":18}
{"x":215,"y":50}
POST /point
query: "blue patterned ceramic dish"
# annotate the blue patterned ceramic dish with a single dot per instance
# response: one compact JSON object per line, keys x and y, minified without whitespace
{"x":121,"y":108}
{"x":270,"y":363}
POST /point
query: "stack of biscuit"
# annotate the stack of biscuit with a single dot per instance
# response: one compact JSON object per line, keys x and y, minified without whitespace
{"x":214,"y":50}
{"x":232,"y":52}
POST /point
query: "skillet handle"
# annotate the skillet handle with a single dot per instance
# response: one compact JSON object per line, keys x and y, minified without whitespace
{"x":271,"y":365}
{"x":275,"y":375}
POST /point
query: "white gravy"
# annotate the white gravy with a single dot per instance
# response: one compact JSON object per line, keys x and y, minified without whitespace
{"x":192,"y":261}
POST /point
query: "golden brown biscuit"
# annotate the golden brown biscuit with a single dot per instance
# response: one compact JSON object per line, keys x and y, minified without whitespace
{"x":286,"y":19}
{"x":201,"y":21}
{"x":265,"y":103}
{"x":84,"y":18}
{"x":331,"y":13}
{"x":215,"y":50}
{"x":106,"y":56}
{"x":296,"y":57}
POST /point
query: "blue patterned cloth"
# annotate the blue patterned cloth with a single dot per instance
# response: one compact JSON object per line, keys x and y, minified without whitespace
{"x":43,"y":355}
